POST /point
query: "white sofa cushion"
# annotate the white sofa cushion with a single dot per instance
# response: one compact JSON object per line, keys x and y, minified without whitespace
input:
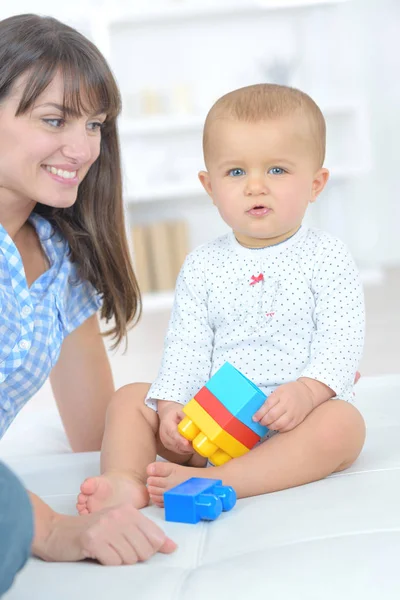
{"x":336,"y":538}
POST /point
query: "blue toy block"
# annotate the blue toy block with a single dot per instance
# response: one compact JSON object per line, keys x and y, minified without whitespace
{"x":239,"y":395}
{"x":198,"y":499}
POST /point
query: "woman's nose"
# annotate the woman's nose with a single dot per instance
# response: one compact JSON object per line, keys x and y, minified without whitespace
{"x":78,"y":147}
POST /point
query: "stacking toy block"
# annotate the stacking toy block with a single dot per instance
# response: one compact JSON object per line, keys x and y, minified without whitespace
{"x":198,"y":499}
{"x":218,"y":419}
{"x":239,"y":395}
{"x":225,"y":419}
{"x":208,"y":438}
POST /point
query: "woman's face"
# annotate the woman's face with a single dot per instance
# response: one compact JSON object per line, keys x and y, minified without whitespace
{"x":44,"y":155}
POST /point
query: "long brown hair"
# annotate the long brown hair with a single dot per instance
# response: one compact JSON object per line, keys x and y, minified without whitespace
{"x":94,"y":226}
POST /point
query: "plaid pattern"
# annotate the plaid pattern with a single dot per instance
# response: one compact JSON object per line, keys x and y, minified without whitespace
{"x":34,"y":321}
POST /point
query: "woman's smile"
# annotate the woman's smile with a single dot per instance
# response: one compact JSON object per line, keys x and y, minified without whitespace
{"x":62,"y":175}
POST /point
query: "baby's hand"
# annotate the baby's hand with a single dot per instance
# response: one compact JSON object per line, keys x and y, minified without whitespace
{"x":170,"y":415}
{"x":286,"y":407}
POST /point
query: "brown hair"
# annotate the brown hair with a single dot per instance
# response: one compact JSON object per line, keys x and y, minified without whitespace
{"x":269,"y":101}
{"x":94,"y":226}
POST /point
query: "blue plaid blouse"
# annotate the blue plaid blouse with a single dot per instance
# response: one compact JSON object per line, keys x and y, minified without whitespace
{"x":34,"y":321}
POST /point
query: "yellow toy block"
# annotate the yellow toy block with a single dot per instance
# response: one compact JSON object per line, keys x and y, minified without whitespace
{"x":207,"y":437}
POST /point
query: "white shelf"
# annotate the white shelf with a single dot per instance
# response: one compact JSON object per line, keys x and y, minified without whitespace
{"x":173,"y":124}
{"x":192,"y":11}
{"x":157,"y":301}
{"x":167,"y":192}
{"x":189,"y":191}
{"x":161,"y":125}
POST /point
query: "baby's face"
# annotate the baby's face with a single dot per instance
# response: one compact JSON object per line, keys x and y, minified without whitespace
{"x":262,"y":176}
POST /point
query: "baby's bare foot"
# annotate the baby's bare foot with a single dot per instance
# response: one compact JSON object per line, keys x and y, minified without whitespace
{"x":110,"y":489}
{"x":163,"y":476}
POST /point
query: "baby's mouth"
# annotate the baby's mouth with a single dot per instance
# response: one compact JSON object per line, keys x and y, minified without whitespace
{"x":259,"y":210}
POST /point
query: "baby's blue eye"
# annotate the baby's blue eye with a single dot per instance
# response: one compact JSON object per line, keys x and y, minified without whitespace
{"x":276,"y":171}
{"x":236,"y":172}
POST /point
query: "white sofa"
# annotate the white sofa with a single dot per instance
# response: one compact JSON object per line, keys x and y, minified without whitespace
{"x":334,"y":539}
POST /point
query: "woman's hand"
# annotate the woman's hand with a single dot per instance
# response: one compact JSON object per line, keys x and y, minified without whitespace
{"x":120,"y":535}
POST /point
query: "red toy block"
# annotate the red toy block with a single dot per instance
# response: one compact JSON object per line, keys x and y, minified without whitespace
{"x":225,"y":419}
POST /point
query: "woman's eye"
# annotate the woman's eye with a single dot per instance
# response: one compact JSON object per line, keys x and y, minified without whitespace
{"x":54,"y":122}
{"x":96,"y":126}
{"x":236,"y":172}
{"x":277,"y":171}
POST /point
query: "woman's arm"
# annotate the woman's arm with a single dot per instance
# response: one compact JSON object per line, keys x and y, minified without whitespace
{"x":82,"y":384}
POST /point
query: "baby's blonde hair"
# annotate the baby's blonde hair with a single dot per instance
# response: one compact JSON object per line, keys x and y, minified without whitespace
{"x":265,"y":101}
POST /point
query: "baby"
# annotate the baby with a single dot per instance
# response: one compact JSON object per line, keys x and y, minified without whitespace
{"x":280,"y":301}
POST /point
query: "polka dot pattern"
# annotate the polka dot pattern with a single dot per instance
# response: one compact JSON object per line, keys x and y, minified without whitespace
{"x":303,"y":317}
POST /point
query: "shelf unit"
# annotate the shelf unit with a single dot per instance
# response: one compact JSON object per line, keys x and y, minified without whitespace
{"x":175,"y":124}
{"x":160,"y":125}
{"x":122,"y":16}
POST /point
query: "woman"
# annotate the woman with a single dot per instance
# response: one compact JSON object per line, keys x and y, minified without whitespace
{"x":16,"y":527}
{"x":64,"y":255}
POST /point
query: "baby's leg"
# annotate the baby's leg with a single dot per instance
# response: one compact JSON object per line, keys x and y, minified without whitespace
{"x":328,"y":440}
{"x":130,"y":443}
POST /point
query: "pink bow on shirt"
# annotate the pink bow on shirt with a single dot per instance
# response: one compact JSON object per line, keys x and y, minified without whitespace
{"x":255,"y":279}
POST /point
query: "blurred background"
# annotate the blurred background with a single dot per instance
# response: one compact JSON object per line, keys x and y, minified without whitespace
{"x":174,"y":58}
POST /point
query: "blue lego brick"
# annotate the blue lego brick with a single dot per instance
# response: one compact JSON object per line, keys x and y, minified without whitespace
{"x":198,"y":499}
{"x":239,"y":395}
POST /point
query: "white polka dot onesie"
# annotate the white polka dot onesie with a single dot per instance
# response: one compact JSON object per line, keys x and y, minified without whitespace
{"x":291,"y":310}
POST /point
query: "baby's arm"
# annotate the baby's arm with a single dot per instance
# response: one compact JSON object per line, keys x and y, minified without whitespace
{"x":339,"y":317}
{"x":336,"y":347}
{"x":186,"y":362}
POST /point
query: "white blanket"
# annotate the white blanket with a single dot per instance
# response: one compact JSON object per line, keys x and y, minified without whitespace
{"x":330,"y":540}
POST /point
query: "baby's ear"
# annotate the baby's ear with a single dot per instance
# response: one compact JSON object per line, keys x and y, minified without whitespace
{"x":205,"y":182}
{"x":320,"y":180}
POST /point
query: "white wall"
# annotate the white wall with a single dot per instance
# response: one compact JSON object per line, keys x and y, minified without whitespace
{"x":365,"y":56}
{"x":376,"y":213}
